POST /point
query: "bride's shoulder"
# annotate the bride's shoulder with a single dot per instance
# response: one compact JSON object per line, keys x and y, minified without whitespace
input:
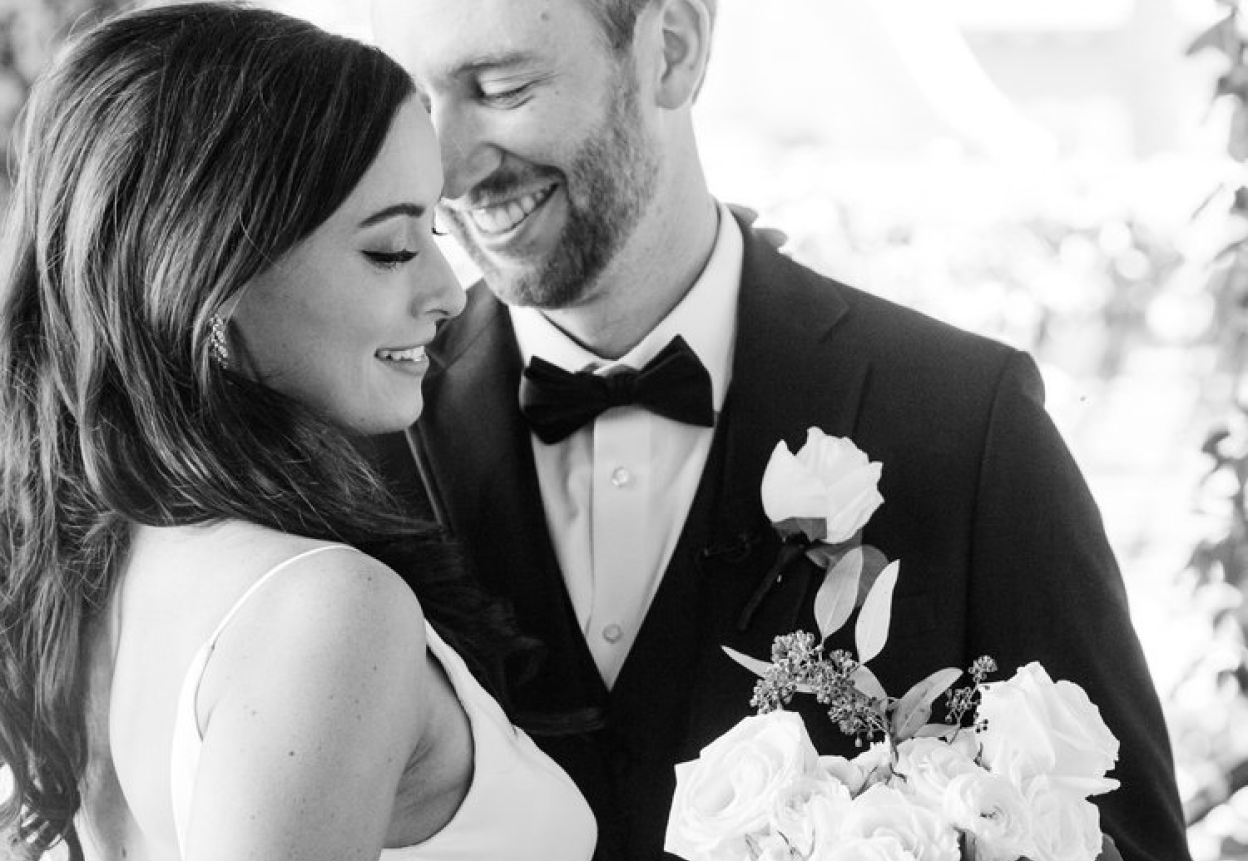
{"x":271,"y":586}
{"x":314,"y":618}
{"x":314,"y":579}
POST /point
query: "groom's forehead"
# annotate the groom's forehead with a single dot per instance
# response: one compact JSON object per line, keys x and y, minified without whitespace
{"x":452,"y":38}
{"x":434,"y":19}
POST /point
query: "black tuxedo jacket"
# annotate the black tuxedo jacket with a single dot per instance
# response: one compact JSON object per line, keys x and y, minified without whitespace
{"x":1001,"y":545}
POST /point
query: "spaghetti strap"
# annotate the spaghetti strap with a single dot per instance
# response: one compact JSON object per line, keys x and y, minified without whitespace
{"x":186,"y":741}
{"x":281,"y":566}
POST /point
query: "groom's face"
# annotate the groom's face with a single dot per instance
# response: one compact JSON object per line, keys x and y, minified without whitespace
{"x":548,"y":159}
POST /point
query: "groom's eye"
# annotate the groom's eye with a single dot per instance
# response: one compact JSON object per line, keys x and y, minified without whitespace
{"x":509,"y":97}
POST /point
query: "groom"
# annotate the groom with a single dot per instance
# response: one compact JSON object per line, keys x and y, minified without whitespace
{"x":631,"y":538}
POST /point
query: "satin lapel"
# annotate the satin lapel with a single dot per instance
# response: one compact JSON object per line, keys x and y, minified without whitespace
{"x":475,"y":450}
{"x":790,"y":373}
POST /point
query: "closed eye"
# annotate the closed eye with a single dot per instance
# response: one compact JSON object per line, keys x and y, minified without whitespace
{"x":509,"y":98}
{"x":389,"y":259}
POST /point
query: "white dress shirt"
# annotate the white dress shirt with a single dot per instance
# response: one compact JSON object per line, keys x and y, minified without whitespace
{"x":616,"y":493}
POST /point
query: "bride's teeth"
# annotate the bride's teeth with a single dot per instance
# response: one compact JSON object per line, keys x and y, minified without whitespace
{"x":504,"y":217}
{"x":414,"y":354}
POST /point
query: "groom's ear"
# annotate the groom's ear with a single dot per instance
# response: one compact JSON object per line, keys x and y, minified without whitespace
{"x":685,"y":27}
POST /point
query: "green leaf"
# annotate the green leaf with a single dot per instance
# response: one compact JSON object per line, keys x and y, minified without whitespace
{"x":1222,"y":36}
{"x":866,"y":681}
{"x":813,"y":528}
{"x":914,"y":709}
{"x":873,"y":564}
{"x":871,"y":632}
{"x":937,"y":730}
{"x":761,"y":668}
{"x":754,"y":665}
{"x":837,"y":596}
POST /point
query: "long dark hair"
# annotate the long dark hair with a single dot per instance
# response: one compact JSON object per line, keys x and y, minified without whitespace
{"x":169,"y":156}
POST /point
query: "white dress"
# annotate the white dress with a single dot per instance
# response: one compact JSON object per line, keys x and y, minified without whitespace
{"x":520,"y":805}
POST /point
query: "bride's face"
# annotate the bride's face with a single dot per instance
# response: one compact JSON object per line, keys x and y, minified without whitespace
{"x":340,"y":322}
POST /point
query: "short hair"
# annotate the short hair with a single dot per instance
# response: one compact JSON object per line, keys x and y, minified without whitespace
{"x":618,"y":19}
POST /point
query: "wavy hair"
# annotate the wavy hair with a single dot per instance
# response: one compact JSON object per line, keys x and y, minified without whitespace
{"x":169,"y":156}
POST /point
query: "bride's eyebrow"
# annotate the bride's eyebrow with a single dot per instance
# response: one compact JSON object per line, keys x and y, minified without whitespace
{"x":413,"y":210}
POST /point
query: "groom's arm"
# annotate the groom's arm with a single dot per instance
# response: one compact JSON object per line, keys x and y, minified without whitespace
{"x":1045,"y":587}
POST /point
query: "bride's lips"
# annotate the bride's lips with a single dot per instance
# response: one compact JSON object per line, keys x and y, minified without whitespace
{"x":409,"y":360}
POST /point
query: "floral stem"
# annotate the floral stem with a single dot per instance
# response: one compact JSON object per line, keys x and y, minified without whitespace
{"x":792,"y":548}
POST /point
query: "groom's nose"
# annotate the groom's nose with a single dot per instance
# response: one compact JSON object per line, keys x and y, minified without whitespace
{"x":468,"y":154}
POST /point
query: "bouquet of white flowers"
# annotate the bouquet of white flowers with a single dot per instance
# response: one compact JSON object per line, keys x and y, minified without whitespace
{"x":1007,"y":777}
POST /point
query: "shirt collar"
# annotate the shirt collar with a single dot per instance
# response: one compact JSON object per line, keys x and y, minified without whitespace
{"x":706,"y":318}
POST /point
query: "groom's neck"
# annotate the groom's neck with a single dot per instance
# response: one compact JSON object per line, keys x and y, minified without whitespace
{"x":648,"y":277}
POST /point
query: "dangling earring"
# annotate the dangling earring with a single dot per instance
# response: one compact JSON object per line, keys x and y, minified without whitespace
{"x":217,"y":347}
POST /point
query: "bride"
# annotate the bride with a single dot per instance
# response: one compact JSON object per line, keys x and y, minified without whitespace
{"x":218,"y":638}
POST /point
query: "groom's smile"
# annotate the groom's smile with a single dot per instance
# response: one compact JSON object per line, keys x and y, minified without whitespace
{"x":503,"y":217}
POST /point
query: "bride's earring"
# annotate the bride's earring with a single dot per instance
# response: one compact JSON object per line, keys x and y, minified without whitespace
{"x":218,"y":349}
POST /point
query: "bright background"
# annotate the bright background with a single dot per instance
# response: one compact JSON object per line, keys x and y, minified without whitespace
{"x":1055,"y":174}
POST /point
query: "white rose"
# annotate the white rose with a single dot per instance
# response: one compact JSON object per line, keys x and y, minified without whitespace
{"x":991,"y":809}
{"x":731,"y":790}
{"x":883,"y":813}
{"x":829,"y":480}
{"x":772,"y":847}
{"x":1037,"y":726}
{"x":925,"y":766}
{"x":875,"y":764}
{"x":812,"y":811}
{"x":865,"y":849}
{"x":841,"y":770}
{"x":1067,"y":827}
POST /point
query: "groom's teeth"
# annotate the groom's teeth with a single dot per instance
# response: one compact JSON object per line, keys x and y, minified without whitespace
{"x":413,"y":354}
{"x":505,"y":216}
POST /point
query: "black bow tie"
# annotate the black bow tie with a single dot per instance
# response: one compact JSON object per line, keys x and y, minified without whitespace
{"x":674,"y":384}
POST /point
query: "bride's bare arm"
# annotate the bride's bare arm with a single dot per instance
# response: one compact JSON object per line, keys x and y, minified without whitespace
{"x":311,"y":707}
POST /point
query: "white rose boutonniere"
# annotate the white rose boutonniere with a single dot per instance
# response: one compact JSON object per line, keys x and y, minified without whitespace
{"x":818,"y":501}
{"x":828,"y":490}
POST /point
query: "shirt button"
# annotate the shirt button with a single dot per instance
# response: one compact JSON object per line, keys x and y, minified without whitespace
{"x":612,"y":633}
{"x":621,"y":477}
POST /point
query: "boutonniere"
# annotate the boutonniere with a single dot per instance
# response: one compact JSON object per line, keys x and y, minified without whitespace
{"x":1006,"y":775}
{"x":818,"y":501}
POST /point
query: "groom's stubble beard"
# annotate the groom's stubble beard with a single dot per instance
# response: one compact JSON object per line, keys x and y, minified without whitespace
{"x":607,"y":187}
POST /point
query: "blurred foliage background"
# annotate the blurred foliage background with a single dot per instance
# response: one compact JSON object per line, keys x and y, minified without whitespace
{"x":1066,"y":176}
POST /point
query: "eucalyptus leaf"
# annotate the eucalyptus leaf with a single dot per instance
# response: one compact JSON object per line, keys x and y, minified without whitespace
{"x":945,"y":731}
{"x":873,"y":563}
{"x":754,"y":665}
{"x":812,"y":528}
{"x":1222,"y":36}
{"x":871,"y":632}
{"x":836,"y":597}
{"x":914,"y":709}
{"x":760,"y":668}
{"x":866,"y":681}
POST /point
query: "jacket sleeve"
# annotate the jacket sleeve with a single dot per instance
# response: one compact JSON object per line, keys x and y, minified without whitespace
{"x":1045,"y":587}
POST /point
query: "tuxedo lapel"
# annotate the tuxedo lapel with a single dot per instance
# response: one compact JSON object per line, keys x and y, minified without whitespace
{"x":477,"y":459}
{"x":789,"y":374}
